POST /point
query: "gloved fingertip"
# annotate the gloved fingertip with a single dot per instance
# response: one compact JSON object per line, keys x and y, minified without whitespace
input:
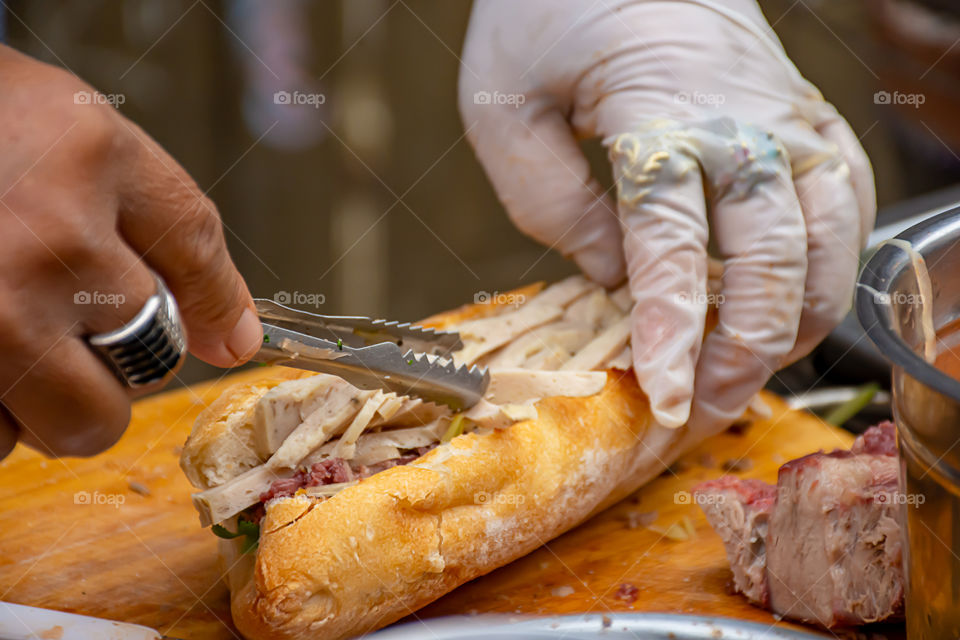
{"x":670,"y":403}
{"x":602,"y":266}
{"x":671,"y":413}
{"x":708,"y":419}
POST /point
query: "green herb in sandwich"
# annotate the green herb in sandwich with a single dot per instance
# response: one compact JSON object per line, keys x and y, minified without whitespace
{"x":455,"y":429}
{"x":244,"y":528}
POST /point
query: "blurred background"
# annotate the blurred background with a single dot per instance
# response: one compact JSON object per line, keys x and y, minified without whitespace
{"x":353,"y":190}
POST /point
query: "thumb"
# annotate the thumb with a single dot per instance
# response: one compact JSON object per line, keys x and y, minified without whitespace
{"x":168,"y":221}
{"x":544,"y":182}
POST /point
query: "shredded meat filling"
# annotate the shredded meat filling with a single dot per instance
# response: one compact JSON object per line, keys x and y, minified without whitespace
{"x":334,"y":471}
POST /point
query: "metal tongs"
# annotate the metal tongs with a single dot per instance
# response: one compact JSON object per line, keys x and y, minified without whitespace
{"x":371,"y":354}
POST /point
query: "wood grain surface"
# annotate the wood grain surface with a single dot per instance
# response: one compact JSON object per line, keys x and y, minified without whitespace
{"x":115,"y":536}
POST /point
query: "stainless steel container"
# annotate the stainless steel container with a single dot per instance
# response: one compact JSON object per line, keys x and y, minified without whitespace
{"x":926,"y":407}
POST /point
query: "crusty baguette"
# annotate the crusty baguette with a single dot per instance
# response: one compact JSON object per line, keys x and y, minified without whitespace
{"x":394,"y":542}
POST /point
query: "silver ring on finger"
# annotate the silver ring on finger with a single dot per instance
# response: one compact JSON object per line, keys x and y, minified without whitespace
{"x":148,"y":350}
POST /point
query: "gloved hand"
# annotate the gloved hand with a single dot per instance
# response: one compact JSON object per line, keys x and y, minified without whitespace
{"x":89,"y":205}
{"x":712,"y":134}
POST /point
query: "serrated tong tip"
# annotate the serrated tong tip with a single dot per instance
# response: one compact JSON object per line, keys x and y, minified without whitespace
{"x":398,"y":356}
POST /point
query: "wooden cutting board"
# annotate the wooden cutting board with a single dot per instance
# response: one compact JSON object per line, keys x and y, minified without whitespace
{"x":115,"y":536}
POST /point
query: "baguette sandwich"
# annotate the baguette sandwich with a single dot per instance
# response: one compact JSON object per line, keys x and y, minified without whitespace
{"x":342,"y":510}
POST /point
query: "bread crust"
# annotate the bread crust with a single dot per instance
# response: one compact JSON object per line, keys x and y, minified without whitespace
{"x":403,"y":537}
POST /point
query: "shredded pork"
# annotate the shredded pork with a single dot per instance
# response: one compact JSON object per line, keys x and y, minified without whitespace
{"x":334,"y":471}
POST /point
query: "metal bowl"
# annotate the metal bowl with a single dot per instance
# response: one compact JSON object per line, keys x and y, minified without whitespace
{"x":890,"y":304}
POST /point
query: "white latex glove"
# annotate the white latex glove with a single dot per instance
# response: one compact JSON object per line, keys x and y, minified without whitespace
{"x":712,"y":133}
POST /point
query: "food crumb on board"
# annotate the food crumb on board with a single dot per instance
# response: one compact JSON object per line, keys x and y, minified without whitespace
{"x":138,"y":487}
{"x":627,"y":593}
{"x":562,"y":591}
{"x":738,"y":428}
{"x":607,"y":621}
{"x":678,"y":531}
{"x":676,"y":468}
{"x":637,"y":519}
{"x":708,"y":461}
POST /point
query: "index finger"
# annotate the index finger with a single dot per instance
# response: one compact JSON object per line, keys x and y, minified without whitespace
{"x":170,"y":222}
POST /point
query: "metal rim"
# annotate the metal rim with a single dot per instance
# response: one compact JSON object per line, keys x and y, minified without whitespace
{"x":577,"y":626}
{"x":878,"y":274}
